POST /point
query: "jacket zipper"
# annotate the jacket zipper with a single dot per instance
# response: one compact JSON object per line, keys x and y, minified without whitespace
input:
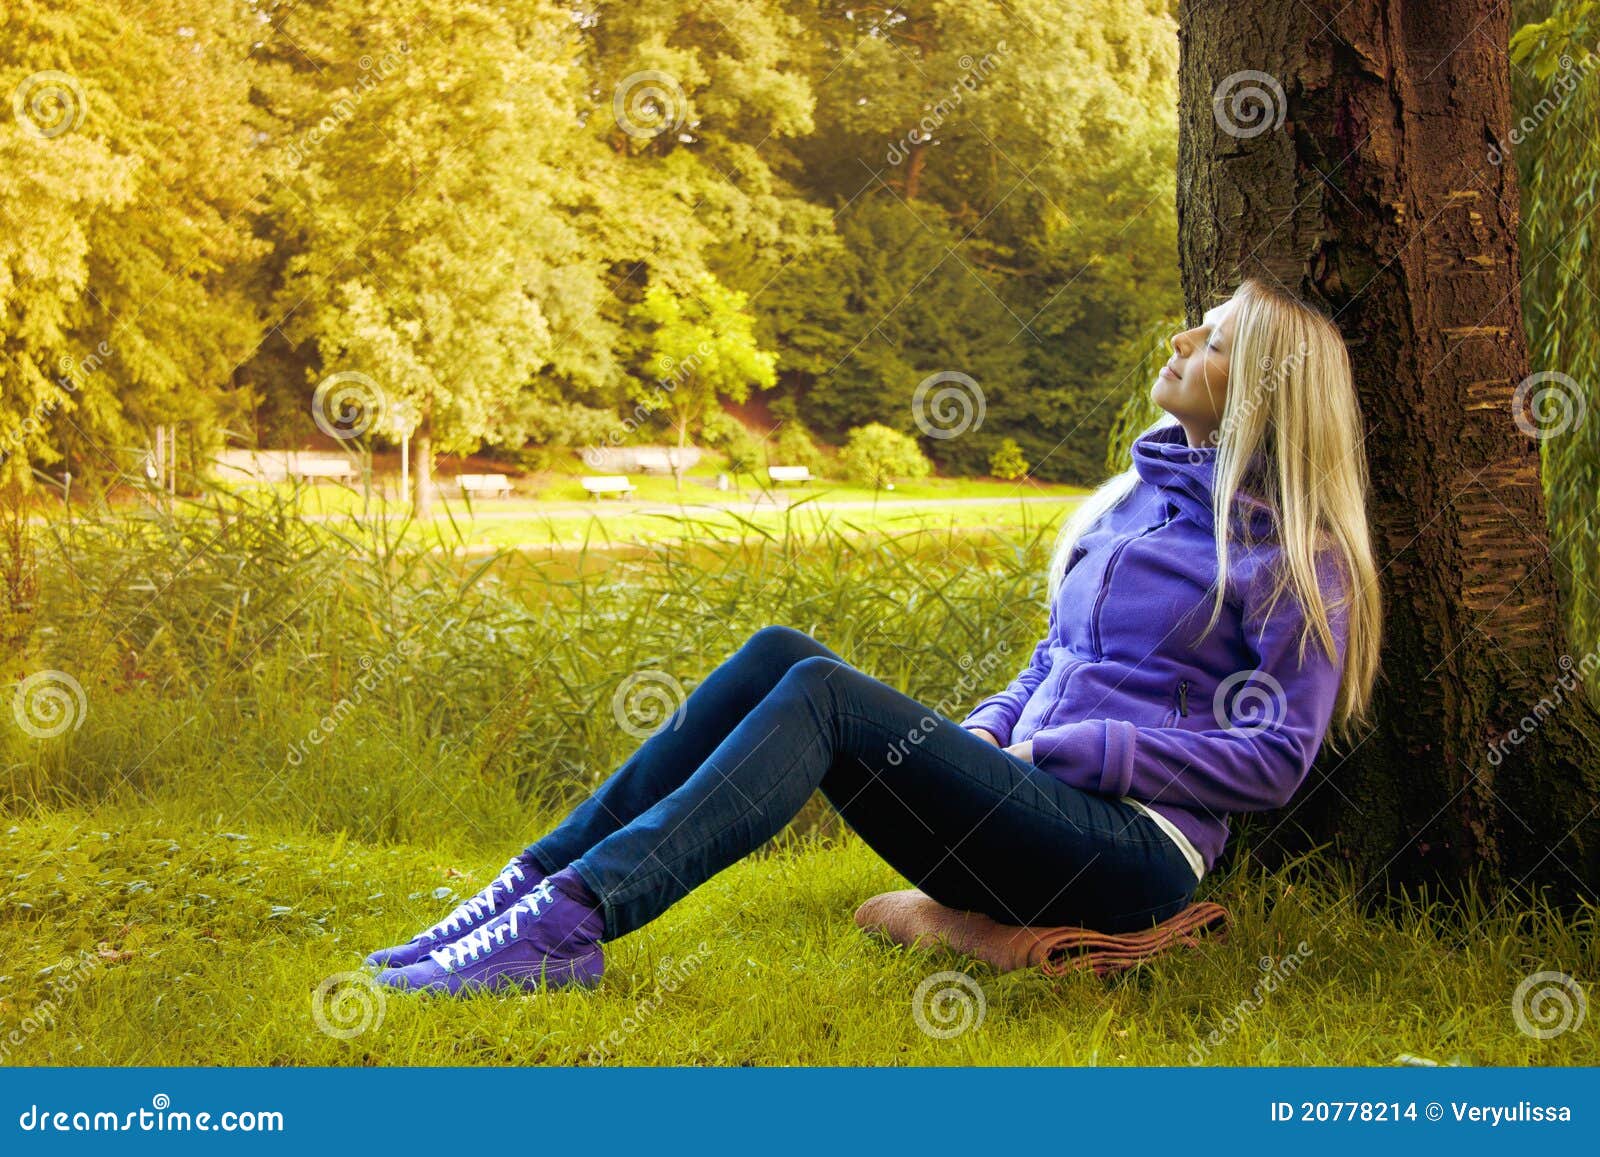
{"x":1182,"y":701}
{"x":1105,"y":579}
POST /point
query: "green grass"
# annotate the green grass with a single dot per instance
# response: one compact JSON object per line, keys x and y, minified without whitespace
{"x":566,"y":520}
{"x":620,"y":525}
{"x":564,"y":486}
{"x":174,"y":943}
{"x":184,"y":866}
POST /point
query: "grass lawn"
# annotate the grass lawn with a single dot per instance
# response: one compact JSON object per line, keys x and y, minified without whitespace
{"x":567,"y":528}
{"x":286,"y":744}
{"x":661,"y":514}
{"x":129,"y":939}
{"x":538,"y":490}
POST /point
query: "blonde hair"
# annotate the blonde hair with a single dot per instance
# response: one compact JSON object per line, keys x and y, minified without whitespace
{"x":1291,"y":405}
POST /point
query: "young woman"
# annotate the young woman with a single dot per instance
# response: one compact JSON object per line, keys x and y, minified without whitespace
{"x":1095,"y":788}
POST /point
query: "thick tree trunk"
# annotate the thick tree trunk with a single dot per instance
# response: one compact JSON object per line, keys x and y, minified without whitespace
{"x":1360,"y":178}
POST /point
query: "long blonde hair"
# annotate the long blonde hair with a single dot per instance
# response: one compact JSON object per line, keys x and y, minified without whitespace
{"x":1291,"y":405}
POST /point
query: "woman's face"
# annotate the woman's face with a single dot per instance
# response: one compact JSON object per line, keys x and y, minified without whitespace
{"x":1193,"y":385}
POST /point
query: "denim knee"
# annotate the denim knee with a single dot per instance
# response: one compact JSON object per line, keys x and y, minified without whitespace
{"x":817,"y":668}
{"x":784,"y":645}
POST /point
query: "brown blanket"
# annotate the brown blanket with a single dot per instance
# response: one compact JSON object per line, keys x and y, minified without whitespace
{"x":911,"y":916}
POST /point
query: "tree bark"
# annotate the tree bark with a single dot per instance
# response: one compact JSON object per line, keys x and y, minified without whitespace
{"x":917,"y":159}
{"x":1362,"y":181}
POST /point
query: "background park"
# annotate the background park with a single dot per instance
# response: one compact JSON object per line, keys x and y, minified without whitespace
{"x":405,"y":403}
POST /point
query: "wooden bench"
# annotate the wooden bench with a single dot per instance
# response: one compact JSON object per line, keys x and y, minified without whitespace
{"x":598,"y":484}
{"x":497,"y":485}
{"x":789,"y":473}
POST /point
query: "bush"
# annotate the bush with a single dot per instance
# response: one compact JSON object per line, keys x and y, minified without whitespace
{"x":1007,"y":461}
{"x":876,"y":455}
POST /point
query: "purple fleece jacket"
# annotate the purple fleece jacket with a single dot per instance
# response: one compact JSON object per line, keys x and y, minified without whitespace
{"x":1118,"y":697}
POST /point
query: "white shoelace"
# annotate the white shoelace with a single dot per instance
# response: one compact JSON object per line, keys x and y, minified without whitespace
{"x":477,"y":908}
{"x":490,"y":937}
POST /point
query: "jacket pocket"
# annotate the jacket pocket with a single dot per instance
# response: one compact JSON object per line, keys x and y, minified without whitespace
{"x":1180,"y":703}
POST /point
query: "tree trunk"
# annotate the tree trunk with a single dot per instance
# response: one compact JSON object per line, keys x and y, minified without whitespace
{"x":914,"y":165}
{"x":422,"y":470}
{"x":1362,"y":180}
{"x":683,"y":441}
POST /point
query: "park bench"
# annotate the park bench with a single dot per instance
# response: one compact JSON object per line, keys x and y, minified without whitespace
{"x":789,"y":473}
{"x":497,"y":485}
{"x":598,"y":484}
{"x":652,"y":460}
{"x":280,"y":465}
{"x":321,"y":466}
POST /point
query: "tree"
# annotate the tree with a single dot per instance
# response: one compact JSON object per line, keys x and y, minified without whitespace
{"x":128,"y":176}
{"x":703,"y":348}
{"x":430,"y":205}
{"x":1555,"y":86}
{"x":878,"y":456}
{"x":1003,"y":172}
{"x":1347,"y":155}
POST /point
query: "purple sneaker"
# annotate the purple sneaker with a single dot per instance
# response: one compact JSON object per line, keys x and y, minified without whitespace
{"x":513,"y":882}
{"x":550,"y":937}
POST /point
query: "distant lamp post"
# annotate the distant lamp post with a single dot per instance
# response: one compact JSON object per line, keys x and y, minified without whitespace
{"x":403,"y":422}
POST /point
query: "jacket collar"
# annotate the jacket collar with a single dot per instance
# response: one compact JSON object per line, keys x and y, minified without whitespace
{"x":1185,"y":474}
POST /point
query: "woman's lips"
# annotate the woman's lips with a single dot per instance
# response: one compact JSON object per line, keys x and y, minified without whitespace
{"x":1166,"y":372}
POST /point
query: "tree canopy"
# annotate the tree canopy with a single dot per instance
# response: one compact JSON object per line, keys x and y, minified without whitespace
{"x":481,"y":213}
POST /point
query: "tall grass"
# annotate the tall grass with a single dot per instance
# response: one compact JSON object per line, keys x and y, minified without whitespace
{"x":359,"y":676}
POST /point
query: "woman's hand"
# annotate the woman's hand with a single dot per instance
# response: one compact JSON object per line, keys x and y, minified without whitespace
{"x":984,"y":735}
{"x":1023,"y":750}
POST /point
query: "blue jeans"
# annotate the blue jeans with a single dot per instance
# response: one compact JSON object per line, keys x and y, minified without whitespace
{"x":973,"y":826}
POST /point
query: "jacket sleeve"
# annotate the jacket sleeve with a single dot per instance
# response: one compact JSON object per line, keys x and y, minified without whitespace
{"x":998,"y":714}
{"x":1263,"y":739}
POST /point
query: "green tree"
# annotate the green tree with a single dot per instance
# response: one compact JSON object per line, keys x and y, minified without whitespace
{"x":128,"y":176}
{"x":702,"y":349}
{"x":429,"y":205}
{"x":1032,"y":145}
{"x":1555,"y":86}
{"x":1007,"y":462}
